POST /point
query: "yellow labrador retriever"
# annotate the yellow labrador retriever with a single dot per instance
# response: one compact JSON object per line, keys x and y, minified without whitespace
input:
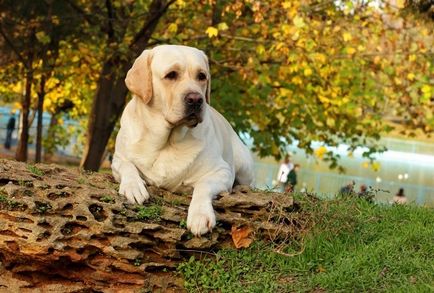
{"x":171,"y":137}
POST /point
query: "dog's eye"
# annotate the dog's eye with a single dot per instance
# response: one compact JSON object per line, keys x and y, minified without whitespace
{"x":171,"y":75}
{"x":201,"y":76}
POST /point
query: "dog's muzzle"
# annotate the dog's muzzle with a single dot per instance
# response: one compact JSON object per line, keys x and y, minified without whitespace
{"x":193,"y":108}
{"x":193,"y":103}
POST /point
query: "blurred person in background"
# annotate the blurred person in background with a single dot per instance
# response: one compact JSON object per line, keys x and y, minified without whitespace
{"x":400,"y":197}
{"x":292,"y":178}
{"x":282,"y":174}
{"x":9,"y":131}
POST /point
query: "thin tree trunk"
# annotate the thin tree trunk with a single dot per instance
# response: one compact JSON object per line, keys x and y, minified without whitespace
{"x":41,"y":96}
{"x":22,"y":148}
{"x":48,"y":152}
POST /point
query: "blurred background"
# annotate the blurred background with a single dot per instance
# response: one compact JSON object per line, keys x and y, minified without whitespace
{"x":346,"y":88}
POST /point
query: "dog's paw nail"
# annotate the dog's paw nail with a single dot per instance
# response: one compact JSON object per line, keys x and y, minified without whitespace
{"x":200,"y":222}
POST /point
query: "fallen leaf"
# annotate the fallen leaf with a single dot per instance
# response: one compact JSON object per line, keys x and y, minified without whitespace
{"x":321,"y":269}
{"x":240,"y":236}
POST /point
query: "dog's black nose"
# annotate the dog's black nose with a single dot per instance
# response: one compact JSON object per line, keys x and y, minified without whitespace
{"x":193,"y":100}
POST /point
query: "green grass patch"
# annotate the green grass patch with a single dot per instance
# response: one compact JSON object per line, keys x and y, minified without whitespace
{"x":354,"y":246}
{"x":151,"y":212}
{"x":7,"y":203}
{"x":42,"y":207}
{"x":35,"y":170}
{"x":183,"y":224}
{"x":107,"y":199}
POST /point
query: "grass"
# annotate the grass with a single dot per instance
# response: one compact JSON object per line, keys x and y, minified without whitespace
{"x":8,"y":203}
{"x":42,"y":207}
{"x":353,"y":246}
{"x":35,"y":170}
{"x":107,"y":199}
{"x":151,"y":212}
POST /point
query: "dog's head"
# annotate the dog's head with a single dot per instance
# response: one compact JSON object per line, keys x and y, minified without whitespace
{"x":173,"y":80}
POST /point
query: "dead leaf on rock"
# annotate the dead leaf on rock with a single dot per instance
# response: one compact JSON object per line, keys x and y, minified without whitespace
{"x":240,"y":236}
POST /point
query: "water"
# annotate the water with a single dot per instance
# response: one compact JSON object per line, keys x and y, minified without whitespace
{"x":400,"y":167}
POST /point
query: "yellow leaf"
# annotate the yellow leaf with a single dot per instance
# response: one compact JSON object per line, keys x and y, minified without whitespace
{"x":323,"y":99}
{"x":286,"y":29}
{"x":296,"y":80}
{"x":260,"y":49}
{"x":286,"y":4}
{"x":307,"y":71}
{"x":319,"y":152}
{"x":212,"y":32}
{"x":426,"y":89}
{"x":330,"y":122}
{"x":412,"y":57}
{"x":222,"y":26}
{"x":298,"y":22}
{"x":321,"y":58}
{"x":410,"y":76}
{"x":350,"y":50}
{"x":400,"y":3}
{"x":376,"y":166}
{"x":181,"y":3}
{"x":173,"y":28}
{"x":284,"y":92}
{"x":347,"y":36}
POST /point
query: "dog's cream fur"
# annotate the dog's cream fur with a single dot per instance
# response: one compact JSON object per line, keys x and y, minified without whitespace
{"x":158,"y":145}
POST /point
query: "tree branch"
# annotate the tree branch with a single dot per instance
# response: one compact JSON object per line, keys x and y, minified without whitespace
{"x":156,"y":10}
{"x":11,"y":45}
{"x":110,"y":19}
{"x":88,"y":18}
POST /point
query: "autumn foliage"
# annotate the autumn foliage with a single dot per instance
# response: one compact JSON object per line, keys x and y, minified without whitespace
{"x":282,"y":71}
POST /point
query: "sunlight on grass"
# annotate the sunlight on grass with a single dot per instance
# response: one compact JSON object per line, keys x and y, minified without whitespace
{"x":353,"y":246}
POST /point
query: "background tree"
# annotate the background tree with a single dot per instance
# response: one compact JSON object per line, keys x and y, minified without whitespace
{"x":301,"y":71}
{"x":283,"y":72}
{"x":33,"y":30}
{"x":127,"y":29}
{"x":19,"y":36}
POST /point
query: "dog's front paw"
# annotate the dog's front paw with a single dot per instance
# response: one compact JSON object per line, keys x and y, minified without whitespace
{"x":134,"y":190}
{"x":200,"y":219}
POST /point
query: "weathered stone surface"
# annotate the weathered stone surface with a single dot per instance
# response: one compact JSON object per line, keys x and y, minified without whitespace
{"x":64,"y":230}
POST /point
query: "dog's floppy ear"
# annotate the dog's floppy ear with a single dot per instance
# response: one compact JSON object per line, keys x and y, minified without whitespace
{"x":208,"y":85}
{"x":139,"y":77}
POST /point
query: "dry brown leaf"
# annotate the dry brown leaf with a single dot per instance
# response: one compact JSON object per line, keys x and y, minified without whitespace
{"x":240,"y":236}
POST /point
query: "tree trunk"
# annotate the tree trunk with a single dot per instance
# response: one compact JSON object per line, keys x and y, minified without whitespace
{"x":22,"y":148}
{"x":110,"y":98}
{"x":66,"y":231}
{"x":48,"y":152}
{"x":41,"y":96}
{"x":108,"y":104}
